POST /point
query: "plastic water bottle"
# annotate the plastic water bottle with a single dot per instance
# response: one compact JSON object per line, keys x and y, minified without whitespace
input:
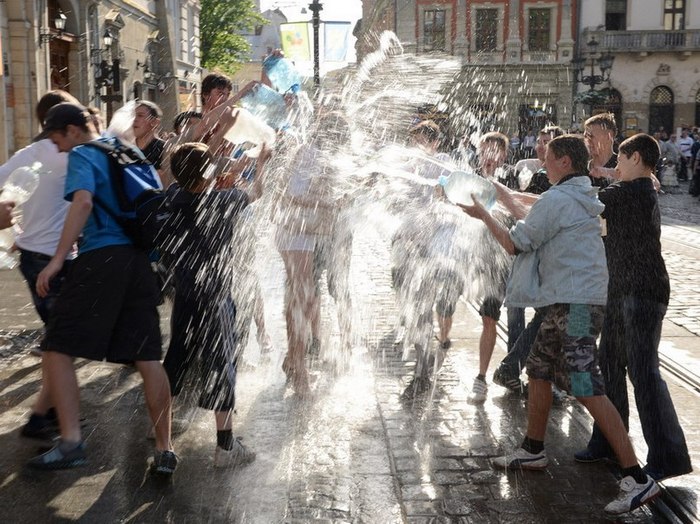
{"x":267,"y":104}
{"x":249,"y":128}
{"x":282,"y":74}
{"x":19,"y":186}
{"x":460,"y":186}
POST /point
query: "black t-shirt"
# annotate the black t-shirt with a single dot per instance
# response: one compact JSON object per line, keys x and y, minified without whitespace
{"x":200,"y":246}
{"x":604,"y":182}
{"x":539,"y":183}
{"x":154,"y":152}
{"x":633,"y":242}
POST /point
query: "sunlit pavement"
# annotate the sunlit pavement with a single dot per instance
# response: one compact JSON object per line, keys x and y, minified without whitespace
{"x":354,"y":452}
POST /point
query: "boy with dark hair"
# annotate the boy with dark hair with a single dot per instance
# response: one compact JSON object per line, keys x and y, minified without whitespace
{"x":205,"y":333}
{"x":638,"y":295}
{"x":216,"y":88}
{"x":107,"y":309}
{"x":184,"y":119}
{"x":560,"y":266}
{"x":147,"y":118}
{"x":599,"y":131}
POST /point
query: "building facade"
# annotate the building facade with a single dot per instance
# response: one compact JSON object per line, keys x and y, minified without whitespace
{"x":106,"y":53}
{"x":655,"y":77}
{"x":515,"y":54}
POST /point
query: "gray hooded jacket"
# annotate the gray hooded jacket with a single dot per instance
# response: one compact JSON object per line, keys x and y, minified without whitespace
{"x":562,"y":257}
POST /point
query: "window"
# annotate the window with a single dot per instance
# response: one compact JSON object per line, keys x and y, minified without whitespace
{"x":674,"y":15}
{"x":486,"y":37}
{"x":615,"y":15}
{"x":661,"y":109}
{"x":434,"y":30}
{"x":539,"y":24}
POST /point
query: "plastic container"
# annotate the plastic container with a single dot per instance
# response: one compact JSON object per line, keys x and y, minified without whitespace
{"x":249,"y":128}
{"x":460,"y":186}
{"x":19,"y":186}
{"x":282,"y":74}
{"x":267,"y":104}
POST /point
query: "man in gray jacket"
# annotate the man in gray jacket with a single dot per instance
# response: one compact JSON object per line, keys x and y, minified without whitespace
{"x":560,"y":266}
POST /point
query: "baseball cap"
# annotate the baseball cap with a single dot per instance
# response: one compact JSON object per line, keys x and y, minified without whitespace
{"x":60,"y":116}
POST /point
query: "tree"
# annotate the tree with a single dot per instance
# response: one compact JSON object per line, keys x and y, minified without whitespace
{"x":221,"y":25}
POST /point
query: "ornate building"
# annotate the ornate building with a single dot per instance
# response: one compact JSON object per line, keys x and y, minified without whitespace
{"x":654,"y":80}
{"x":515,"y":54}
{"x":104,"y":52}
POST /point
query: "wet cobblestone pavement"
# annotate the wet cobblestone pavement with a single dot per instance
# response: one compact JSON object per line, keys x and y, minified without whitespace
{"x":354,"y":452}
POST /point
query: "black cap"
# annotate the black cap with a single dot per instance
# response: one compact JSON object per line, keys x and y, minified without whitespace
{"x":60,"y":116}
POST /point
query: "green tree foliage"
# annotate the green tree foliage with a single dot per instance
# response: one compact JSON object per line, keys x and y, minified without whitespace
{"x":220,"y":26}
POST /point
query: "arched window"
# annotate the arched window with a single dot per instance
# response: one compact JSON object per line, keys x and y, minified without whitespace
{"x":661,"y":110}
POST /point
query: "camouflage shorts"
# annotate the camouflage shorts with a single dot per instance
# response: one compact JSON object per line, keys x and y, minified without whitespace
{"x":565,"y":352}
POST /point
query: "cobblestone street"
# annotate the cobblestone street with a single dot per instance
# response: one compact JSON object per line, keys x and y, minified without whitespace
{"x":355,"y":452}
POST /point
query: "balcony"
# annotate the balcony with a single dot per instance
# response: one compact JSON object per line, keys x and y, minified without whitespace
{"x":646,"y":41}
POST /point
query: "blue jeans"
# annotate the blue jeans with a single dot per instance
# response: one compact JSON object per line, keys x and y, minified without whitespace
{"x":518,"y":350}
{"x":630,"y":344}
{"x":31,"y":264}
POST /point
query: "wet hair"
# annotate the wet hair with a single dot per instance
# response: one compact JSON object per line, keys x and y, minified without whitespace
{"x":182,"y":118}
{"x":152,"y":107}
{"x":50,"y":99}
{"x":495,"y":137}
{"x":427,"y":129}
{"x":604,"y":120}
{"x":189,"y":162}
{"x":645,"y":145}
{"x":553,"y":131}
{"x":572,"y":146}
{"x":212,"y":81}
{"x":96,"y":117}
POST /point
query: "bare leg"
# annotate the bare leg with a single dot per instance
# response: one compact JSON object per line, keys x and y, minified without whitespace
{"x":63,"y":390}
{"x":487,"y":342}
{"x":158,"y":401}
{"x":539,"y":402}
{"x":445,"y":325}
{"x":610,"y":423}
{"x":224,"y":420}
{"x":43,"y":402}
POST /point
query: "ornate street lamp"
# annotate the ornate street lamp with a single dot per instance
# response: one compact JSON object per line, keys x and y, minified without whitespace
{"x":59,"y":23}
{"x":316,"y":8}
{"x":603,"y":62}
{"x":107,"y":39}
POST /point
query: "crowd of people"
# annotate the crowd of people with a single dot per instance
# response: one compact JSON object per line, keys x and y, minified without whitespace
{"x":575,"y":235}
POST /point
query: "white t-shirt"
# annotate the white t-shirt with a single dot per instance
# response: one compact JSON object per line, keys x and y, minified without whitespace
{"x":685,"y":145}
{"x":45,"y":212}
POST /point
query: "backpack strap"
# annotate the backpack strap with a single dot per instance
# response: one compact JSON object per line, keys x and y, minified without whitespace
{"x":115,"y":154}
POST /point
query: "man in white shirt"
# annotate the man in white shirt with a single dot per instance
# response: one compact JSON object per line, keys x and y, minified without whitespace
{"x":685,"y":144}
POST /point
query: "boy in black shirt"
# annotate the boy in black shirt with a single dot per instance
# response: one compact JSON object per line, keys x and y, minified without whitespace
{"x":638,"y":294}
{"x":204,"y":330}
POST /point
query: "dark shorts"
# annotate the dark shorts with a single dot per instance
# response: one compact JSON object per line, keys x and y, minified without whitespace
{"x":31,"y":264}
{"x":107,"y":309}
{"x":491,"y":307}
{"x":565,"y":351}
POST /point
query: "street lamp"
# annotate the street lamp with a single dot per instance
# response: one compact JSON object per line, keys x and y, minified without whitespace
{"x":604,"y":63}
{"x":107,"y":39}
{"x":316,"y":8}
{"x":59,"y":23}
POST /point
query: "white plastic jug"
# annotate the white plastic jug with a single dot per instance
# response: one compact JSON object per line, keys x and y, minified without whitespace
{"x":249,"y":128}
{"x":460,"y":186}
{"x":19,"y":186}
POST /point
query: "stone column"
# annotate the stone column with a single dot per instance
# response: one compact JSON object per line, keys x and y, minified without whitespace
{"x":461,"y":48}
{"x":514,"y":43}
{"x":565,"y":45}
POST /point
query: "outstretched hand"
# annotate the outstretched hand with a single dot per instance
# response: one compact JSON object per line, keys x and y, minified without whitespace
{"x":476,"y":210}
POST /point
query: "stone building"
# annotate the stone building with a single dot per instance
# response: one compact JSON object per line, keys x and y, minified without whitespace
{"x":515,"y":54}
{"x":104,"y":52}
{"x":655,"y":76}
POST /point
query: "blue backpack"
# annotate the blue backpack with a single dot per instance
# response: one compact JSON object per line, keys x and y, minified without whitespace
{"x":143,"y":207}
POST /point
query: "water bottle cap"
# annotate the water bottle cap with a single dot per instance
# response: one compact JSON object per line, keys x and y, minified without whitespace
{"x":294,"y":89}
{"x":442,"y":180}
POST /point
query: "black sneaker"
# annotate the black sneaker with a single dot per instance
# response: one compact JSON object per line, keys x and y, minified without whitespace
{"x":55,"y":458}
{"x":416,"y":387}
{"x":513,"y":384}
{"x":164,"y":462}
{"x":40,"y":427}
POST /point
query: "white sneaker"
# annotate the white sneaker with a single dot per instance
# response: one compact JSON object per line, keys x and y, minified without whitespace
{"x":521,"y":459}
{"x":236,"y":456}
{"x":479,"y":391}
{"x":632,"y":495}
